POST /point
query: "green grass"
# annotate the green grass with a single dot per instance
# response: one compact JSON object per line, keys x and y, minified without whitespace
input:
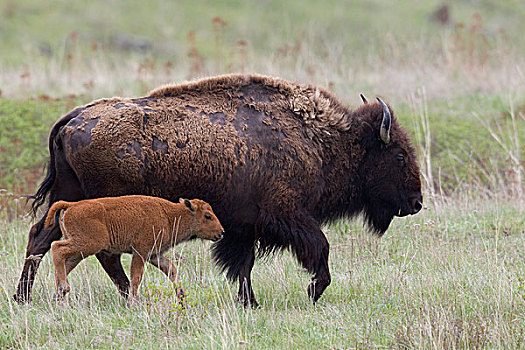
{"x":23,"y":140}
{"x":38,"y":27}
{"x":446,"y":278}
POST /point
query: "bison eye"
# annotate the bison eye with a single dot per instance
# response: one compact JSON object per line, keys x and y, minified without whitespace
{"x":400,"y":157}
{"x":207,"y":217}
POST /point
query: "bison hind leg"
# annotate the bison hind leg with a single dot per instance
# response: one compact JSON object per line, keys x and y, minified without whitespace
{"x":60,"y":183}
{"x":113,"y":267}
{"x":38,"y":245}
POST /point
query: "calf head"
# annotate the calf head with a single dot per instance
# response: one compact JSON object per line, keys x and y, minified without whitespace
{"x":390,"y":173}
{"x":205,"y":223}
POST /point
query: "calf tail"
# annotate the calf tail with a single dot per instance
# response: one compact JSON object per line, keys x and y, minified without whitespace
{"x":52,"y":216}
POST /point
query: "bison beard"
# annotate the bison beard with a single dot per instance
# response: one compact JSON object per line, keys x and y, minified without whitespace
{"x":275,"y":159}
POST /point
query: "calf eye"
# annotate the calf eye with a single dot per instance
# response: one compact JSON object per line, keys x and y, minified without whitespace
{"x":207,"y":217}
{"x":400,"y":157}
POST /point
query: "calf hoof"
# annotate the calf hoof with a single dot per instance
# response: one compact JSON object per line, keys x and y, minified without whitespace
{"x":181,"y":296}
{"x":57,"y":297}
{"x":61,"y":293}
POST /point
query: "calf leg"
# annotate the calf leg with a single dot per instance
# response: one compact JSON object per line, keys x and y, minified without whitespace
{"x":113,"y":267}
{"x":137,"y":270}
{"x":165,"y":265}
{"x":66,"y":256}
{"x":60,"y":252}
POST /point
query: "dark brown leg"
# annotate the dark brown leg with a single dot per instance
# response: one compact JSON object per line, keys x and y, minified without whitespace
{"x":113,"y":267}
{"x":246,"y":294}
{"x":38,"y":245}
{"x":314,"y":257}
{"x":236,"y":253}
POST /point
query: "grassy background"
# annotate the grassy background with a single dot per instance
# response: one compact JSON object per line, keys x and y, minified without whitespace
{"x":450,"y":277}
{"x":461,"y":77}
{"x":446,"y":278}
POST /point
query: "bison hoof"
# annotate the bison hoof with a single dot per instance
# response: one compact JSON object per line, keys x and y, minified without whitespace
{"x":248,"y":302}
{"x":21,"y":298}
{"x":313,"y":292}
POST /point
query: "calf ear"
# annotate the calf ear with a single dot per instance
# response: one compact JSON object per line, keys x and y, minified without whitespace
{"x":187,"y":203}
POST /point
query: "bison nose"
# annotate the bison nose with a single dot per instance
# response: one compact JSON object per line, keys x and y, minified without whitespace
{"x":417,"y":204}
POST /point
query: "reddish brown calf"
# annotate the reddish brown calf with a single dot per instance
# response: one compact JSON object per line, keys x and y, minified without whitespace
{"x":139,"y":225}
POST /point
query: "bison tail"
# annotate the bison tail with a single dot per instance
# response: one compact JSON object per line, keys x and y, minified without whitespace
{"x":40,"y":197}
{"x":47,"y":184}
{"x":52,"y":217}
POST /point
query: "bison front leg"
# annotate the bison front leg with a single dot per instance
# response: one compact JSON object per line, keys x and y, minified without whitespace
{"x":313,"y":255}
{"x":246,"y":295}
{"x":236,"y":252}
{"x":112,"y":265}
{"x":38,"y":245}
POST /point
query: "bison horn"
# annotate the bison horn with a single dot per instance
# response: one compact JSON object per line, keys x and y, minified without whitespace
{"x":384,"y":132}
{"x":365,"y":101}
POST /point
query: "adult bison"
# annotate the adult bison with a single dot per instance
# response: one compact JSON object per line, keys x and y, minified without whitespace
{"x":275,"y":159}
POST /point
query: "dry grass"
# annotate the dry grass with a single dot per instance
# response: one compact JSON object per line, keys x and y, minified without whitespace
{"x":464,"y":62}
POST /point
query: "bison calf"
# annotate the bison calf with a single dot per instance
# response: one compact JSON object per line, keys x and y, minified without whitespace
{"x":140,"y":225}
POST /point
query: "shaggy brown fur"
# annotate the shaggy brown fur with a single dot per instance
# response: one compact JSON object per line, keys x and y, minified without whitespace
{"x":274,"y":158}
{"x":139,"y":225}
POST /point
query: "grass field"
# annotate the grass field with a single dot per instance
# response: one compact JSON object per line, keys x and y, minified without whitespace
{"x":450,"y":277}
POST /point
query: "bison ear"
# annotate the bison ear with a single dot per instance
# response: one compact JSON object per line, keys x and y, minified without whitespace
{"x":384,"y":132}
{"x":187,"y":203}
{"x":365,"y":101}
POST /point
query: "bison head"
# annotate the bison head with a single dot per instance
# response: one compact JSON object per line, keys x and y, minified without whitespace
{"x":389,"y":172}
